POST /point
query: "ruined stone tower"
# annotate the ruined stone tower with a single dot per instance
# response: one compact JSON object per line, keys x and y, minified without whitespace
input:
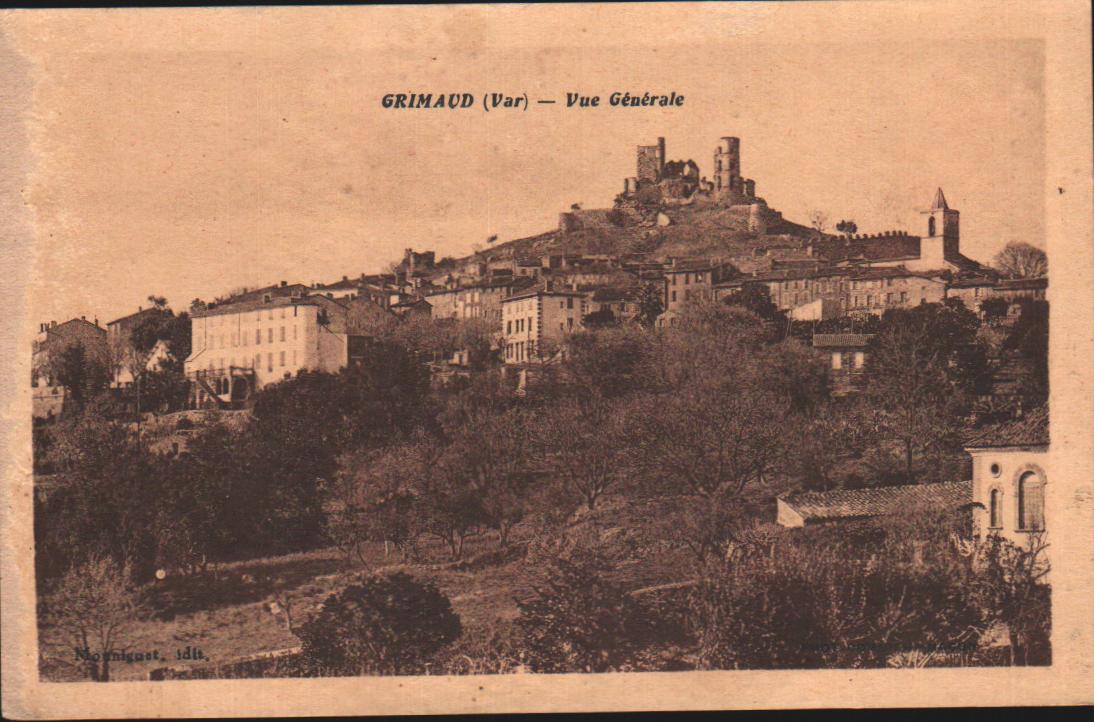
{"x":651,"y":161}
{"x":727,"y":166}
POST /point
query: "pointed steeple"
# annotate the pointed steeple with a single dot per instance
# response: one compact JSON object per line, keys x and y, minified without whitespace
{"x":939,"y":202}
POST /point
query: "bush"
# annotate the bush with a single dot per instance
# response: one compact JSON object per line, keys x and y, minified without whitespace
{"x":577,"y":621}
{"x":812,"y":601}
{"x":385,"y":625}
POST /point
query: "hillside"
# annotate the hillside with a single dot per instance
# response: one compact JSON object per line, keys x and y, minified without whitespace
{"x":700,"y":229}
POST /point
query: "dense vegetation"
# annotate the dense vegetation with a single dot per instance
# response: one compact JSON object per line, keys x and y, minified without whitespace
{"x":710,"y":419}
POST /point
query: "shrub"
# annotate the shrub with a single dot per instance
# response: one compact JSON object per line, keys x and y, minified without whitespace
{"x":385,"y":625}
{"x":816,"y":601}
{"x":577,"y":621}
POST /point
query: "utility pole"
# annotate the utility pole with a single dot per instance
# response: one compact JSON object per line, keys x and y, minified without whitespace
{"x":139,"y":374}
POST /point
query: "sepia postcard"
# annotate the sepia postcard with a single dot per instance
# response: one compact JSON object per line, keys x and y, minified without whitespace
{"x":520,"y":358}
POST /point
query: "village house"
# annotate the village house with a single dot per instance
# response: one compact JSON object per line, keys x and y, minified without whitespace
{"x":345,"y":290}
{"x":1009,"y":476}
{"x":846,"y":354}
{"x":686,"y":281}
{"x":119,"y":337}
{"x":972,"y":290}
{"x":875,"y":290}
{"x":536,"y":320}
{"x":239,"y":347}
{"x":48,"y":396}
{"x":620,"y":302}
{"x":478,"y":300}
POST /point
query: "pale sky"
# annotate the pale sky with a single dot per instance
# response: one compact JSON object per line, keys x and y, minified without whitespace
{"x":185,"y":153}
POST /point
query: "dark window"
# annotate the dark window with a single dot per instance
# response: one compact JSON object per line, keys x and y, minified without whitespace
{"x":996,"y":520}
{"x":1031,"y":502}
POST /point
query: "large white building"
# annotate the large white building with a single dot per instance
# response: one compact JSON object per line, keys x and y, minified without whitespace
{"x":535,"y":321}
{"x":237,"y":348}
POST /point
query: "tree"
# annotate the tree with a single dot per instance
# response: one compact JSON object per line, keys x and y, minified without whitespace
{"x":1021,"y":260}
{"x":926,"y":364}
{"x":383,"y":625}
{"x":994,"y":308}
{"x":376,"y":496}
{"x":1011,"y":586}
{"x":651,"y":304}
{"x":1028,"y":339}
{"x":83,"y":371}
{"x":848,"y":228}
{"x":577,"y":620}
{"x":756,"y":298}
{"x":585,"y":444}
{"x":608,"y":361}
{"x":848,"y":597}
{"x":485,"y":465}
{"x":718,"y":421}
{"x":94,"y":608}
{"x":819,"y":220}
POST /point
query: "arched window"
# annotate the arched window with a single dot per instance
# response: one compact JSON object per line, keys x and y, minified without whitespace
{"x":930,"y":226}
{"x":1031,"y":502}
{"x":996,"y":518}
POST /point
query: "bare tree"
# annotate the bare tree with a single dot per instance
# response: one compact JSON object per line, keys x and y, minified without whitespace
{"x":584,"y":443}
{"x":1021,"y":260}
{"x":819,"y":220}
{"x":94,"y":608}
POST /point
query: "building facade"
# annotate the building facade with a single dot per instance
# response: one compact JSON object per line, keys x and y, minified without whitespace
{"x":1010,"y":477}
{"x":535,"y":322}
{"x":237,"y":348}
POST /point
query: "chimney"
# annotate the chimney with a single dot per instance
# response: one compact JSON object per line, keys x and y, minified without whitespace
{"x":52,"y":324}
{"x":284,"y":283}
{"x":96,"y":320}
{"x":345,"y":278}
{"x":83,"y":318}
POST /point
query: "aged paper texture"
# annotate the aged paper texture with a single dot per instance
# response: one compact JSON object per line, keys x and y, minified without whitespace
{"x":411,"y":360}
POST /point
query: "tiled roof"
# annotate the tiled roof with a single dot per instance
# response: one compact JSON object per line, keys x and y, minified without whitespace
{"x":255,"y":304}
{"x":135,"y":315}
{"x":889,"y":272}
{"x":840,"y":340}
{"x":690,"y":265}
{"x":972,"y":282}
{"x":859,"y":503}
{"x":610,"y":293}
{"x":1029,"y":430}
{"x":539,"y":291}
{"x":1016,"y":283}
{"x":345,"y":283}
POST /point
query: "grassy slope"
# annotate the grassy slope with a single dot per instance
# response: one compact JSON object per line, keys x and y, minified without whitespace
{"x":228,"y":618}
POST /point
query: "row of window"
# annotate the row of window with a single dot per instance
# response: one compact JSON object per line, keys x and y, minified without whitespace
{"x":700,"y":277}
{"x":520,"y":350}
{"x":829,"y":285}
{"x":848,"y":360}
{"x":223,"y":363}
{"x":518,"y":325}
{"x":229,"y":319}
{"x":242,"y":338}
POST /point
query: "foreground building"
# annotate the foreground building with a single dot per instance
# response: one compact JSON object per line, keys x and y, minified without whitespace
{"x":1009,"y":477}
{"x":241,"y":346}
